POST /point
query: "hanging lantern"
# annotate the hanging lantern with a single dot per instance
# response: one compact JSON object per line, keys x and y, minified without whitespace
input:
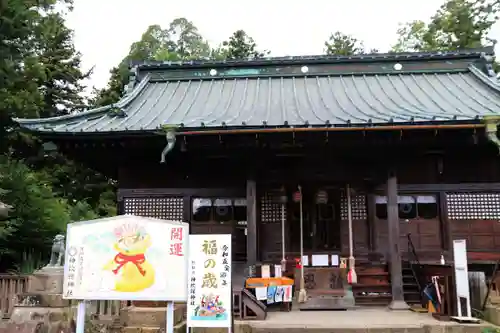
{"x":282,"y":196}
{"x":321,"y":197}
{"x":297,"y":196}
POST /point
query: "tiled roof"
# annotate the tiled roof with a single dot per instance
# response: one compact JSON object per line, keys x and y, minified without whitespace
{"x":332,"y":97}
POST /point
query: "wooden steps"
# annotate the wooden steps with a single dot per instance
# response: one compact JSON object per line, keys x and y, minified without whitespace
{"x":246,"y":306}
{"x":373,"y":287}
{"x":411,"y":289}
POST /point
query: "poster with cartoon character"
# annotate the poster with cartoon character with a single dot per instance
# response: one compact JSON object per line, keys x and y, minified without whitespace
{"x":126,"y":258}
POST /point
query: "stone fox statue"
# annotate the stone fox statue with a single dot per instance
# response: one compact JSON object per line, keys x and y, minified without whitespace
{"x":134,"y":273}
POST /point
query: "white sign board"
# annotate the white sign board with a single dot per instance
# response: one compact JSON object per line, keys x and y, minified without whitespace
{"x":209,"y":281}
{"x":461,"y":275}
{"x":126,"y":258}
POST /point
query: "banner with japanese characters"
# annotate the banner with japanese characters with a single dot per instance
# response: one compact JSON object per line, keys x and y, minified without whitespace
{"x":126,"y":258}
{"x":209,"y":281}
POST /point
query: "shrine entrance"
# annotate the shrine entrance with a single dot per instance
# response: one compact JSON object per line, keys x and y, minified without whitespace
{"x":321,"y":221}
{"x":322,"y":245}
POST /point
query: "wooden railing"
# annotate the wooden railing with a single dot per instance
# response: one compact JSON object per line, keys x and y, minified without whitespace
{"x":10,"y":286}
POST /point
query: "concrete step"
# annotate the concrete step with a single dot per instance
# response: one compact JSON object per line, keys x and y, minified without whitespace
{"x":409,"y":329}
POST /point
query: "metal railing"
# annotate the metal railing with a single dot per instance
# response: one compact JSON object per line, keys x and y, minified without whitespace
{"x":415,"y":265}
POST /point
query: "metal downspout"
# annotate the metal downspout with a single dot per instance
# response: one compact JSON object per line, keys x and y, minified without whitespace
{"x":170,"y":136}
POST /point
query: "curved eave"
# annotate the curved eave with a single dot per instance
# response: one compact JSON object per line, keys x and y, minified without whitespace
{"x":308,"y":103}
{"x":387,"y":127}
{"x":491,"y":82}
{"x":121,"y":104}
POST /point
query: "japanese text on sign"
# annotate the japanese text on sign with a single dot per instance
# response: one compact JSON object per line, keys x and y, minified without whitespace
{"x":176,"y":242}
{"x":209,"y":281}
{"x":70,"y":283}
{"x":209,"y":248}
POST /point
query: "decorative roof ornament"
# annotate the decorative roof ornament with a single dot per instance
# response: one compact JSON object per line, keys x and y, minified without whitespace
{"x":489,"y":59}
{"x":115,"y":111}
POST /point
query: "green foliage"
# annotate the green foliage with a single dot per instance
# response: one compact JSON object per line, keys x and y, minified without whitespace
{"x":490,"y":330}
{"x":37,"y":214}
{"x":239,"y":46}
{"x":40,"y":76}
{"x":180,"y":41}
{"x":343,"y":45}
{"x":456,"y":25}
{"x":31,"y":261}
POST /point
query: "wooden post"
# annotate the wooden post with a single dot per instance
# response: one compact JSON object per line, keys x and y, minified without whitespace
{"x":398,"y":302}
{"x":370,"y":220}
{"x":446,"y":232}
{"x":251,"y":222}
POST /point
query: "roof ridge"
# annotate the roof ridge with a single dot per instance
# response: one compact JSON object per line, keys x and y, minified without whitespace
{"x":308,"y":59}
{"x":492,"y":82}
{"x":123,"y":102}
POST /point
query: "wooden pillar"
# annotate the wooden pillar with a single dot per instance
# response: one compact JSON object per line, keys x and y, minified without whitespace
{"x":370,"y":220}
{"x":251,"y":222}
{"x":446,"y":235}
{"x":398,"y":302}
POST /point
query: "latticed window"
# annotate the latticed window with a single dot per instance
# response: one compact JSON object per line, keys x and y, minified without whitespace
{"x":473,"y":206}
{"x":166,"y":208}
{"x":358,"y":206}
{"x":271,"y":208}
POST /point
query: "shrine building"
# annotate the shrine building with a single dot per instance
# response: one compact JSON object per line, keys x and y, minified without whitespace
{"x":240,"y":146}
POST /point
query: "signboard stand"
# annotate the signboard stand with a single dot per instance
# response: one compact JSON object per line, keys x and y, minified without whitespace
{"x":462,"y":281}
{"x":126,"y":258}
{"x":170,"y":317}
{"x":80,"y":317}
{"x":210,"y":294}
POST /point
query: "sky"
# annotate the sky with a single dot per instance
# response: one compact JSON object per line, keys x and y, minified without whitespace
{"x":105,"y":29}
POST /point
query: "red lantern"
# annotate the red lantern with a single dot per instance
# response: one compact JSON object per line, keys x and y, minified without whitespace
{"x":298,"y":263}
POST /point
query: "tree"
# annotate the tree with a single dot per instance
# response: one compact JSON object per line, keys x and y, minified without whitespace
{"x":343,"y":45}
{"x":457,"y":24}
{"x":239,"y":46}
{"x":40,"y":75}
{"x":180,"y":41}
{"x":37,"y":215}
{"x":185,"y":41}
{"x":56,"y":67}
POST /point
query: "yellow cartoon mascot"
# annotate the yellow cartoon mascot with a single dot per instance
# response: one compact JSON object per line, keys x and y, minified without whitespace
{"x":133,"y":272}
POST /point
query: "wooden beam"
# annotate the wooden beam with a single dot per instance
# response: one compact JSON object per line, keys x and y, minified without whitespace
{"x":251,"y":222}
{"x":433,"y":188}
{"x":398,"y":302}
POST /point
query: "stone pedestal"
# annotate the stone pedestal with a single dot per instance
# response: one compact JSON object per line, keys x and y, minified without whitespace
{"x":43,"y":304}
{"x":150,"y":315}
{"x":47,"y":281}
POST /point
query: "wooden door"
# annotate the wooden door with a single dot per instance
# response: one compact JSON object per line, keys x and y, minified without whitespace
{"x":326,"y":227}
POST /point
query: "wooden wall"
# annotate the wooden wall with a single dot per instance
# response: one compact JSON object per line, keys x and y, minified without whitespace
{"x":467,"y":212}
